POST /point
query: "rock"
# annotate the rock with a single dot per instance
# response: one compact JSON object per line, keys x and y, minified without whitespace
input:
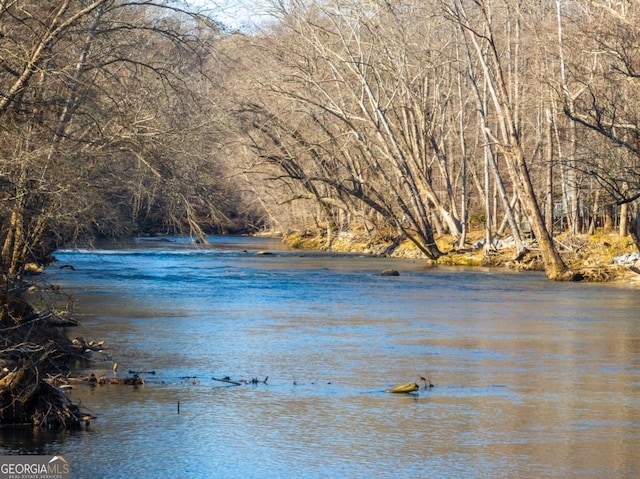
{"x":390,"y":272}
{"x":626,"y":259}
{"x":33,"y":268}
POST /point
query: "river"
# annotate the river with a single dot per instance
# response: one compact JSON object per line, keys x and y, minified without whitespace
{"x":533,"y":379}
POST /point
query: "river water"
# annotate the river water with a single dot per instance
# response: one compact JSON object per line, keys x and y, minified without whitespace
{"x":532,"y":379}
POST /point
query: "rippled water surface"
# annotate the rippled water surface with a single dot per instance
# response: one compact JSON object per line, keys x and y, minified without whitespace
{"x":532,"y":379}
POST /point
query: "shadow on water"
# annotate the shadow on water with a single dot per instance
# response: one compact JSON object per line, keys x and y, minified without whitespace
{"x":533,"y":379}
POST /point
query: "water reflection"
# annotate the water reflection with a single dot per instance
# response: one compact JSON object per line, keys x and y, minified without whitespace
{"x":533,"y":379}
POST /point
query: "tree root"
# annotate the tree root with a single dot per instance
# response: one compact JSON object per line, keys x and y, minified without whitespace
{"x":32,"y":349}
{"x":28,"y":399}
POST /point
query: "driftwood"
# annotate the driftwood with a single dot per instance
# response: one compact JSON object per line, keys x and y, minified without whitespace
{"x":93,"y":380}
{"x":412,"y":387}
{"x":240,"y":382}
{"x":227,"y":380}
{"x":404,"y":388}
{"x":134,"y":380}
{"x":26,"y":397}
{"x":426,"y":379}
{"x":35,"y":352}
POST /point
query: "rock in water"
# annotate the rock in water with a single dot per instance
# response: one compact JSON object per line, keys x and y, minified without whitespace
{"x":390,"y":272}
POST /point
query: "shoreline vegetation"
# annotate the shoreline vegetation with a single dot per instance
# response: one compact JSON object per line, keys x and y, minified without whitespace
{"x":601,"y":258}
{"x":36,"y":358}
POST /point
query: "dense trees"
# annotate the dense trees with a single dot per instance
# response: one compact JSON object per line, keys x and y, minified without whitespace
{"x":603,"y":82}
{"x":413,"y":116}
{"x":407,"y":118}
{"x":106,"y":125}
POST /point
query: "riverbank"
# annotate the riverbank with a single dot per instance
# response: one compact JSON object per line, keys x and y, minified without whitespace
{"x":596,"y":257}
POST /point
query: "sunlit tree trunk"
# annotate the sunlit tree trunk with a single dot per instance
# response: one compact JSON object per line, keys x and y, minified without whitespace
{"x":623,"y":229}
{"x":508,"y":138}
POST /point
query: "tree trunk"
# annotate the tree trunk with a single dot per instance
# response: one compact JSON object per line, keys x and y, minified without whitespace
{"x":624,"y":220}
{"x":594,"y":214}
{"x":554,"y":267}
{"x":549,"y":154}
{"x":634,"y":224}
{"x":607,"y":214}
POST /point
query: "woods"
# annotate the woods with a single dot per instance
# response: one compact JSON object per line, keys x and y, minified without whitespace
{"x":400,"y":119}
{"x":410,"y":118}
{"x":105,"y":129}
{"x":405,"y":119}
{"x":106,"y":124}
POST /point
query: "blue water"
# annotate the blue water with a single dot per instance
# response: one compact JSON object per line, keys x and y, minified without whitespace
{"x":532,"y":378}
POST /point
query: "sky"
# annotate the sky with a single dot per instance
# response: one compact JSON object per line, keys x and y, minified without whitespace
{"x":240,"y":14}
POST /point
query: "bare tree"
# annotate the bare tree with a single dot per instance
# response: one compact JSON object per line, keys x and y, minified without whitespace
{"x":478,"y":27}
{"x":98,"y":105}
{"x":604,"y":78}
{"x":99,"y":121}
{"x":370,"y":114}
{"x":374,"y":93}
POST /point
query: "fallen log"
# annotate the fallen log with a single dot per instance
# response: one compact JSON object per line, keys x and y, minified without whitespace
{"x":403,"y":388}
{"x":227,"y":380}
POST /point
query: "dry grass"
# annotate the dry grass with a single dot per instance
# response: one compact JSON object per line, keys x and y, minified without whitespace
{"x":588,"y":255}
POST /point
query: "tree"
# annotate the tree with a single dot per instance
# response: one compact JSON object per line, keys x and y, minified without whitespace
{"x":371,"y":114}
{"x":372,"y":92}
{"x":478,"y":32}
{"x":83,"y":105}
{"x":604,"y":81}
{"x":98,"y":116}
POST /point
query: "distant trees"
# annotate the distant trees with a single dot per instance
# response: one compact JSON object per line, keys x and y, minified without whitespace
{"x":603,"y":99}
{"x":361,"y":119}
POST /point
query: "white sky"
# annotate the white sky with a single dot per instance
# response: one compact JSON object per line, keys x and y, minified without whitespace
{"x":241,"y":14}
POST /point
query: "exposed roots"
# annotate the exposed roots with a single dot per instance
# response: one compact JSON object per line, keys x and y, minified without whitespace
{"x":33,"y":347}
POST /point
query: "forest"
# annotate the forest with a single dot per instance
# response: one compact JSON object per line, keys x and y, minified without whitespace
{"x":403,"y":119}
